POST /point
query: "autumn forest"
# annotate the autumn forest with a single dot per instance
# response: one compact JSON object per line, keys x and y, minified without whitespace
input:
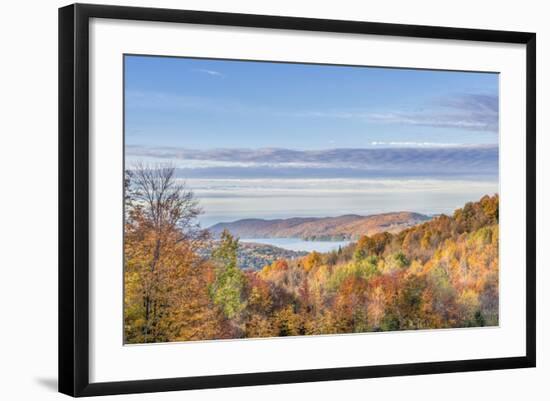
{"x":184,"y":283}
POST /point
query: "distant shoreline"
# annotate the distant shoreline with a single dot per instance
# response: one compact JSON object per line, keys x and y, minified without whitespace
{"x":341,"y":228}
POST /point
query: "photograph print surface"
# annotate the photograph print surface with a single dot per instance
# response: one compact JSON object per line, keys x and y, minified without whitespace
{"x":270,"y":199}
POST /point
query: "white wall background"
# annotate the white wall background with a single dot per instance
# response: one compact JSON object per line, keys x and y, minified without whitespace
{"x":28,"y":199}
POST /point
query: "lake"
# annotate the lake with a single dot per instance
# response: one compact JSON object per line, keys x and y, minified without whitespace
{"x":298,"y":244}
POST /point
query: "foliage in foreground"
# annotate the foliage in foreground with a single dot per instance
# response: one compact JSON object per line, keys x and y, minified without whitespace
{"x":440,"y":274}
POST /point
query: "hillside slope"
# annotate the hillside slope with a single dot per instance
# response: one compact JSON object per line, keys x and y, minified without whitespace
{"x":323,"y":228}
{"x":252,"y":256}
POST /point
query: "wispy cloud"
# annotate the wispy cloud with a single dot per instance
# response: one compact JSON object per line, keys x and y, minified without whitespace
{"x":472,"y":112}
{"x":233,"y":199}
{"x":417,"y":144}
{"x":209,"y":72}
{"x":369,"y":162}
{"x":337,"y":114}
{"x":475,"y":122}
{"x":463,"y":111}
{"x":474,"y":103}
{"x":475,"y":112}
{"x":146,"y":101}
{"x":281,"y":155}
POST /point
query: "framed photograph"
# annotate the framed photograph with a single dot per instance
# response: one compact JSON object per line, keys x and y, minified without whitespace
{"x":250,"y":199}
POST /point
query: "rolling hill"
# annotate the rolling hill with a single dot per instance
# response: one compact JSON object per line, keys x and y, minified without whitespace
{"x":321,"y":228}
{"x":254,"y":256}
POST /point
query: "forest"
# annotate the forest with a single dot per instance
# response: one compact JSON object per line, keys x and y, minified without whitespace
{"x":182,"y":284}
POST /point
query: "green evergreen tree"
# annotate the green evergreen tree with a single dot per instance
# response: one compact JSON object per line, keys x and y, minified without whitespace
{"x":227,"y":289}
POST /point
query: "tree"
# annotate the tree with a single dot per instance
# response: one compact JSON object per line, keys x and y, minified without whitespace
{"x":228,"y":285}
{"x":313,"y":259}
{"x":165,"y":279}
{"x":364,"y":248}
{"x":350,"y":305}
{"x":182,"y":285}
{"x":372,"y":246}
{"x":287,"y":322}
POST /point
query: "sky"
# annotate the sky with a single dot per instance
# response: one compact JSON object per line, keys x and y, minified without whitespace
{"x":275,"y":140}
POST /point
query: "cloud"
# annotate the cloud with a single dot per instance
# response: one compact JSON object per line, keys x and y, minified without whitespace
{"x":471,"y":112}
{"x":475,"y":103}
{"x":210,"y":72}
{"x":464,"y":111}
{"x":418,"y":144}
{"x":438,"y":120}
{"x":229,"y":200}
{"x":146,"y":101}
{"x":476,"y":112}
{"x":460,"y":161}
{"x":336,"y":114}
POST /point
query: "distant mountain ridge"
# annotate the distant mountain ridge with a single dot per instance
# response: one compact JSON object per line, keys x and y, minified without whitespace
{"x":344,"y":227}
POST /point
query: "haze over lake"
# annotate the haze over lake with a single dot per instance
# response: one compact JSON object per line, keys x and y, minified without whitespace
{"x":226,"y":200}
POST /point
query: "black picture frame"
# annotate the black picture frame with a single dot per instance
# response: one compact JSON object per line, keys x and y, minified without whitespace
{"x":74,"y":192}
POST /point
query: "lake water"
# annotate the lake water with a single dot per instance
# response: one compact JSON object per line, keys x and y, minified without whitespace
{"x":298,"y":244}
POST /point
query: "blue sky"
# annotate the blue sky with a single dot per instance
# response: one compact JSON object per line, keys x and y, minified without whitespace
{"x":410,"y":139}
{"x":195,"y":103}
